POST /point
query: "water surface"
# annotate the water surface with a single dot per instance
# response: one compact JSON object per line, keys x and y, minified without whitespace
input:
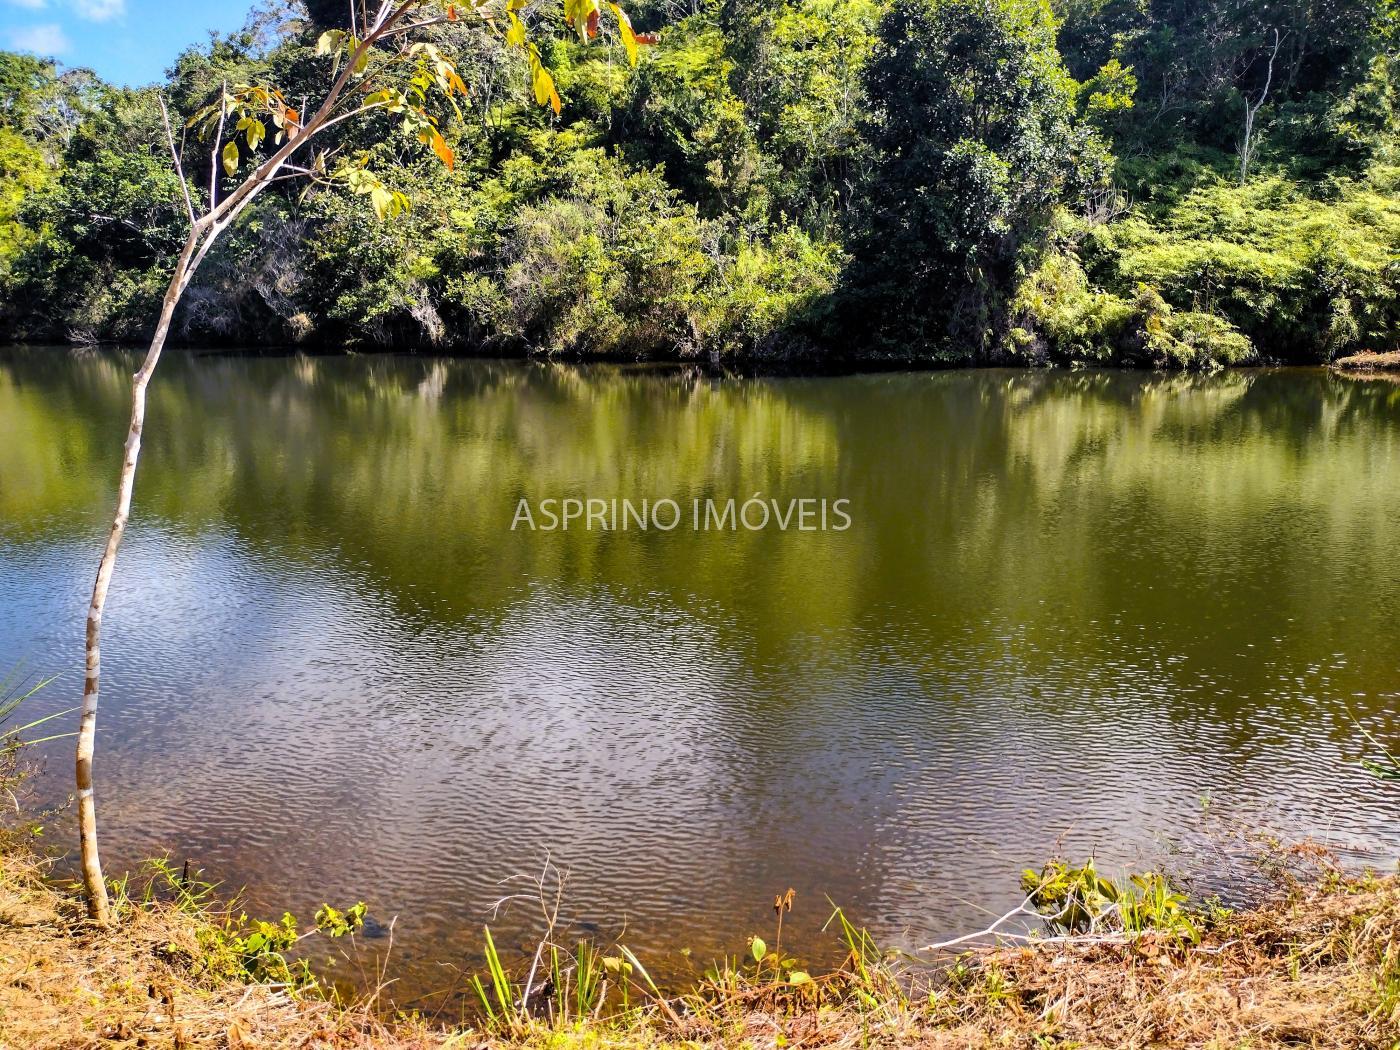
{"x":1070,"y":606}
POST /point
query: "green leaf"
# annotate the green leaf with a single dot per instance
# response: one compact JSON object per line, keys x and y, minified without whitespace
{"x":229,"y":156}
{"x":799,"y":977}
{"x":1381,"y":769}
{"x":758,"y":949}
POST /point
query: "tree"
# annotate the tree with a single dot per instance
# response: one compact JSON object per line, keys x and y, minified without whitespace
{"x":1251,"y":112}
{"x":381,"y":65}
{"x":1195,"y":58}
{"x":798,"y":69}
{"x":22,"y":171}
{"x":103,"y":231}
{"x":976,"y":142}
{"x":26,"y":86}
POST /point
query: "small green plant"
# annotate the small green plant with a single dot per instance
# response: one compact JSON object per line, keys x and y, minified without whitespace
{"x":16,"y":690}
{"x":1387,"y":989}
{"x":870,"y":979}
{"x":570,"y":986}
{"x":1079,"y":900}
{"x":500,"y":1003}
{"x":1387,"y":767}
{"x":231,"y":946}
{"x":576,"y":986}
{"x":582,"y":976}
{"x":13,"y":693}
{"x":561,"y":985}
{"x":768,"y":979}
{"x":1148,"y":904}
{"x":257,"y":951}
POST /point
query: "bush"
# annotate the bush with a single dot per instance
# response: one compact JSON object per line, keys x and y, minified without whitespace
{"x":1058,"y":316}
{"x":612,"y":264}
{"x":764,"y":297}
{"x":1304,"y":278}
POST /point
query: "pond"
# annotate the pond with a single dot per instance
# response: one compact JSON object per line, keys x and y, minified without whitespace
{"x":1073,"y":611}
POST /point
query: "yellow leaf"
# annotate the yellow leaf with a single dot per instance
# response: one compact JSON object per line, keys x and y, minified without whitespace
{"x":229,"y":156}
{"x":577,"y":14}
{"x":382,"y":201}
{"x":543,"y":83}
{"x":624,"y":30}
{"x":515,"y":35}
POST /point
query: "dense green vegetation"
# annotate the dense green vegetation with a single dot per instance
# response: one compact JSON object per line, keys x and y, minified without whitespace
{"x":949,"y":180}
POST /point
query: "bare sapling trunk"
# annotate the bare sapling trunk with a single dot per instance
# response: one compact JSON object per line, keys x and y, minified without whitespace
{"x":204,"y":231}
{"x":1251,"y":111}
{"x":96,"y":887}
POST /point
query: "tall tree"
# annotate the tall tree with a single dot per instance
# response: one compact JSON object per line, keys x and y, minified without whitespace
{"x":976,"y":141}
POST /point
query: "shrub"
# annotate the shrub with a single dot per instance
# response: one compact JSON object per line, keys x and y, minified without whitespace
{"x":1304,"y":278}
{"x":1058,"y":316}
{"x":765,"y":294}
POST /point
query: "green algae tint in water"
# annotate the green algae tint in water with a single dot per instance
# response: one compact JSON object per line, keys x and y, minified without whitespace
{"x":1068,"y":607}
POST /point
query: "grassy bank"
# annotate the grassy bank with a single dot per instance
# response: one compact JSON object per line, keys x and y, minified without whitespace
{"x":1316,"y":963}
{"x":1370,"y":362}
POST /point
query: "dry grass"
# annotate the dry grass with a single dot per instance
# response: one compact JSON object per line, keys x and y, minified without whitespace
{"x":1369,"y":361}
{"x":67,"y":984}
{"x":1318,"y":966}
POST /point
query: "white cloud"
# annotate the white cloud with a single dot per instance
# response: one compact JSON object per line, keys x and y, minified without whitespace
{"x":47,"y":40}
{"x":98,"y":10}
{"x":28,"y":5}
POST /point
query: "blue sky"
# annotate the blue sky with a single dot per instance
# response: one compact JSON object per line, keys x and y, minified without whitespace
{"x":125,"y":41}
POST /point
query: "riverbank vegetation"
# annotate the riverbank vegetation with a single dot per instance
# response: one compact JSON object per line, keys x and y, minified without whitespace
{"x":1313,"y":963}
{"x":960,"y":181}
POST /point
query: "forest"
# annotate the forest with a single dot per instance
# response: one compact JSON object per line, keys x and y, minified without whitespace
{"x":1161,"y":183}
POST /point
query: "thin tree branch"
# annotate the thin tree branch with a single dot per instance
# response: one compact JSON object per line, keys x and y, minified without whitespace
{"x":293,"y":172}
{"x":1251,"y":112}
{"x":311,"y":128}
{"x":175,"y":158}
{"x":1027,"y":908}
{"x":428,"y":23}
{"x":214,"y":156}
{"x":349,"y":114}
